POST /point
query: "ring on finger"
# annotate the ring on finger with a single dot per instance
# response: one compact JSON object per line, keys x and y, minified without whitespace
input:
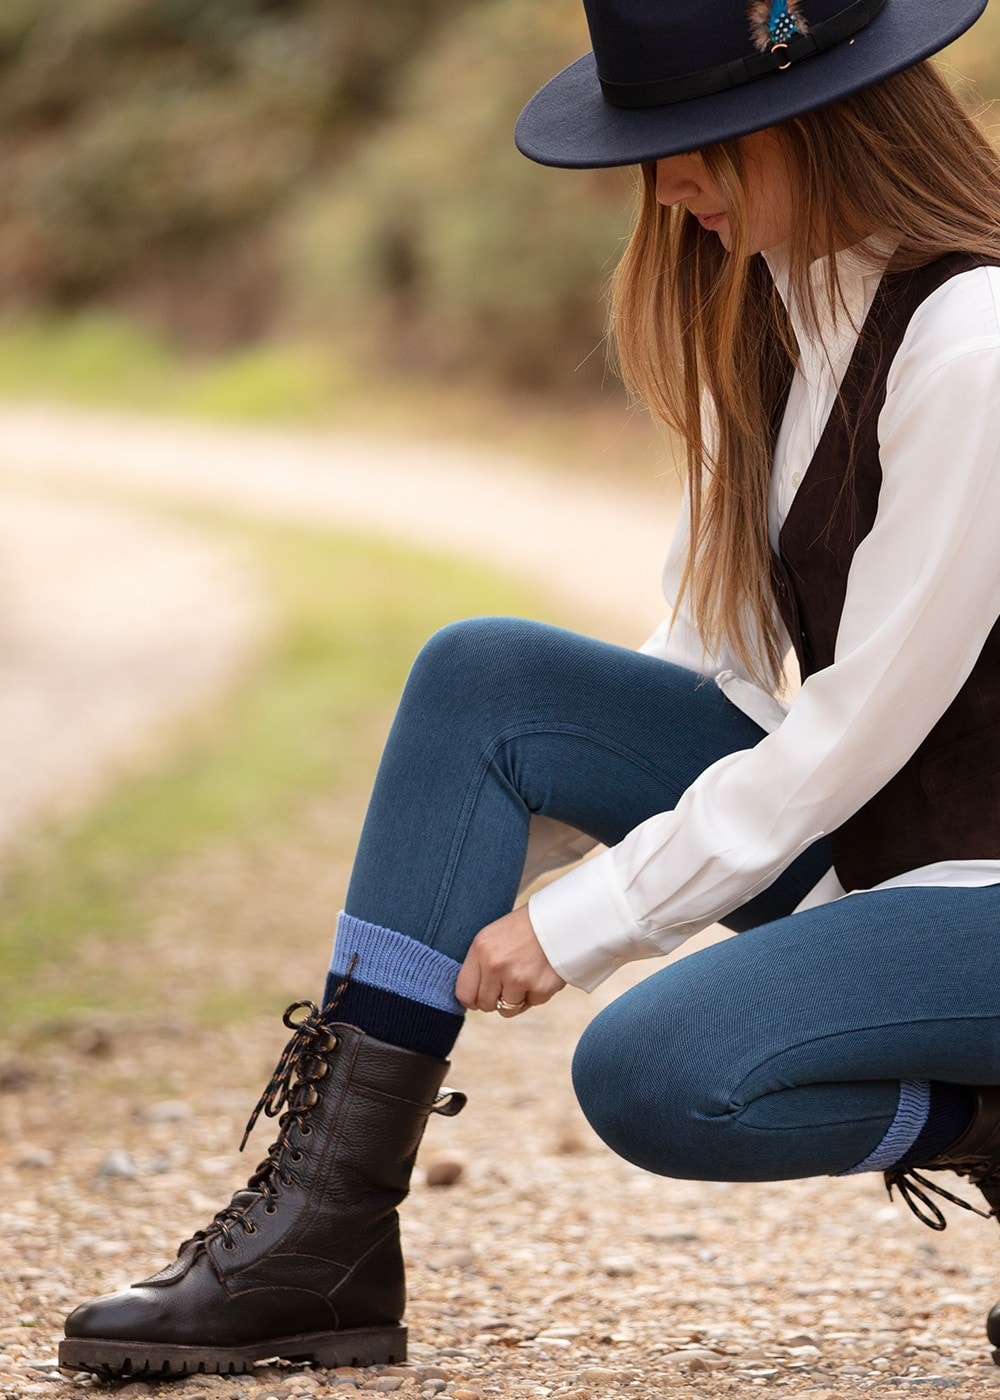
{"x":503,"y":1005}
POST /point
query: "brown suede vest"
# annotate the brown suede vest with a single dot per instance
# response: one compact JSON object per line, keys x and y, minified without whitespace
{"x":944,"y":804}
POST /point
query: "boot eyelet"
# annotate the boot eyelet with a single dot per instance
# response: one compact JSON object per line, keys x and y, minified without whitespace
{"x":296,"y":1156}
{"x":249,"y":1228}
{"x":228,"y":1245}
{"x":270,"y":1208}
{"x":305,"y":1130}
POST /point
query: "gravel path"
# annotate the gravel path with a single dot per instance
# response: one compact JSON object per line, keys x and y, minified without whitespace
{"x":549,"y":1268}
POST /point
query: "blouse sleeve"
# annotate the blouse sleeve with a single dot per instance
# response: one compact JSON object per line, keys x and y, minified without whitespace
{"x":923,"y":594}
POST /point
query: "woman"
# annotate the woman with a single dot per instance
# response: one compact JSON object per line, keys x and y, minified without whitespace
{"x":810,"y":297}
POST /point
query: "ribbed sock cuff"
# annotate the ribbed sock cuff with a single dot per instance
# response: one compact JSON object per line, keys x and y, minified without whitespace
{"x":392,"y":962}
{"x":911,"y":1115}
{"x":394,"y":988}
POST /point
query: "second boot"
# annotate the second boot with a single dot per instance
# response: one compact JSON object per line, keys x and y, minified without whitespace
{"x":975,"y":1155}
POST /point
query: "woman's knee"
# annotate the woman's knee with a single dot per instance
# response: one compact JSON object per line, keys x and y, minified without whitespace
{"x":656,"y":1100}
{"x":473,"y":652}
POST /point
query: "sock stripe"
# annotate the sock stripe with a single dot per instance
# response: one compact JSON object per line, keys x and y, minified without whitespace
{"x":911,"y":1115}
{"x":389,"y":1017}
{"x":393,"y":962}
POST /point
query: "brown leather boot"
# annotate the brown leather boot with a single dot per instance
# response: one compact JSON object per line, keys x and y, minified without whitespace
{"x":976,"y":1155}
{"x":305,"y":1262}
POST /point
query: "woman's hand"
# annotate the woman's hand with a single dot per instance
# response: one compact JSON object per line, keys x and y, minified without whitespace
{"x":506,"y":962}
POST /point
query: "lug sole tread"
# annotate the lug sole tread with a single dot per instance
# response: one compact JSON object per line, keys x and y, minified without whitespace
{"x":363,"y":1346}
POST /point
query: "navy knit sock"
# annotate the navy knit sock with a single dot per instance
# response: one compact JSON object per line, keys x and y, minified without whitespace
{"x":930,"y":1116}
{"x":950,"y":1113}
{"x":394,"y":988}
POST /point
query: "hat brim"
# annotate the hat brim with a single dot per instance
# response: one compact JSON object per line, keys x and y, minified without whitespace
{"x":569,"y":123}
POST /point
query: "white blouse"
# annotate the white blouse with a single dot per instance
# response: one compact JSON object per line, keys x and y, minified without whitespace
{"x":923,"y":595}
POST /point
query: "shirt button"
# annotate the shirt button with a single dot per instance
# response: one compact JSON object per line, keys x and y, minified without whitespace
{"x":796,"y":479}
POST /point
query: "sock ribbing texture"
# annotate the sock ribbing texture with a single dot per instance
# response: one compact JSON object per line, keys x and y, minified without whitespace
{"x":399,"y":990}
{"x":931,"y":1115}
{"x":911,"y":1115}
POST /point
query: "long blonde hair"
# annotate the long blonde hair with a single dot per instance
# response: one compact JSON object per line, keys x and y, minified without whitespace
{"x":695,"y":325}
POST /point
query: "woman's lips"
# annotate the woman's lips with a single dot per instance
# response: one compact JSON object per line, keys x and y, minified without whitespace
{"x":710,"y":221}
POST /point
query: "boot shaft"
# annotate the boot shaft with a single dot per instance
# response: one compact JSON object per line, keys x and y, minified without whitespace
{"x":345,"y":1153}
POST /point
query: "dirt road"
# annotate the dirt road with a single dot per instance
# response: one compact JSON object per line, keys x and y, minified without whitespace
{"x":113,"y":622}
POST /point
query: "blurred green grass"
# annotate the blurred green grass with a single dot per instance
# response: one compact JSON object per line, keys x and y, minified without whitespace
{"x":307,"y":718}
{"x":103,"y":360}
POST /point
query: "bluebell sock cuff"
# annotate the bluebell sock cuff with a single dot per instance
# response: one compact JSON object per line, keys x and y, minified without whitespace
{"x":911,"y":1115}
{"x":393,"y":962}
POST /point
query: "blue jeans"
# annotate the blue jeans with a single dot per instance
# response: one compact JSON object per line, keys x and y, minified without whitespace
{"x":773,"y":1055}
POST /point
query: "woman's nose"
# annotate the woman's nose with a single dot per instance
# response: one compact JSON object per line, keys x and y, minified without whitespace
{"x":676,"y":179}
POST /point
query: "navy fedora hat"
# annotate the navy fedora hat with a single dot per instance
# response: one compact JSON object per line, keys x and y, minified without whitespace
{"x":667,"y":76}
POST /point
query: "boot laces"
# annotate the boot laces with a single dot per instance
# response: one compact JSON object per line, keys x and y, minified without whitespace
{"x":913,"y":1187}
{"x":292,"y":1088}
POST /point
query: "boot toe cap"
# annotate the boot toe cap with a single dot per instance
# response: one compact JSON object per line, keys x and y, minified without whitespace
{"x":123,"y":1316}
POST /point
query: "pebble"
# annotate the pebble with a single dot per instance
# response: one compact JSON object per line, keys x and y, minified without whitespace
{"x":466,"y":1395}
{"x":445,"y":1171}
{"x":570,"y":1144}
{"x":452,"y":1259}
{"x":936,"y":1382}
{"x":15,"y":1076}
{"x":92,"y":1040}
{"x":695,"y":1359}
{"x":118,"y":1164}
{"x":35,"y":1158}
{"x":618,"y":1265}
{"x":384,"y":1385}
{"x":433,"y":1386}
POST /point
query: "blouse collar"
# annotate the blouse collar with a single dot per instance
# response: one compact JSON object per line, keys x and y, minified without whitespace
{"x":859,"y":270}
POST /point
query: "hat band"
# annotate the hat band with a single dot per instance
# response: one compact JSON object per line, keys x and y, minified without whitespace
{"x":822,"y":35}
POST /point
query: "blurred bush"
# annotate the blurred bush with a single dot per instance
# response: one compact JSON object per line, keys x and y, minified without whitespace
{"x":148,"y":144}
{"x":439,"y":245}
{"x":231,"y":170}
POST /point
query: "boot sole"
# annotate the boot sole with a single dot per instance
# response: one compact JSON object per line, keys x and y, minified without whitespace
{"x":364,"y":1346}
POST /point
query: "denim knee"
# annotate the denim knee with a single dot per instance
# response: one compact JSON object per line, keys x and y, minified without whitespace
{"x":477,"y":659}
{"x":656,"y":1102}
